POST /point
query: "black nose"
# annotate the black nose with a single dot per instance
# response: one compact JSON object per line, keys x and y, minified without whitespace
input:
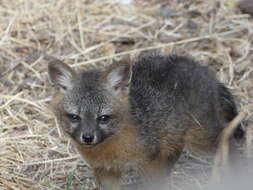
{"x":88,"y":138}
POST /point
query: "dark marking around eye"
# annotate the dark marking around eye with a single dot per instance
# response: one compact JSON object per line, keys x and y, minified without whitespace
{"x":73,"y":117}
{"x":103,"y":119}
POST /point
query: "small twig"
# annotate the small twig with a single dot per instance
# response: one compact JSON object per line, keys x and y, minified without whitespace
{"x":50,"y":161}
{"x":21,"y":137}
{"x":11,"y":97}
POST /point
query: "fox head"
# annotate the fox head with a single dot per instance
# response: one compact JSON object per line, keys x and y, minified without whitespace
{"x":90,"y":106}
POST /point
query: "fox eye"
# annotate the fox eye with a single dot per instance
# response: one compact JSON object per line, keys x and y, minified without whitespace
{"x":103,"y":119}
{"x":73,"y":117}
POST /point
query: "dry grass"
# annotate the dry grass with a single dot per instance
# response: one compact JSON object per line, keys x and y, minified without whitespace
{"x":33,"y":153}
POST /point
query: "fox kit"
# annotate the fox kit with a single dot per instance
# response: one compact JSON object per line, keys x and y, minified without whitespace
{"x":140,"y":115}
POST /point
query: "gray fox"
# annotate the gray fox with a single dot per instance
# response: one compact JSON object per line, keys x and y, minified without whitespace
{"x":140,"y":116}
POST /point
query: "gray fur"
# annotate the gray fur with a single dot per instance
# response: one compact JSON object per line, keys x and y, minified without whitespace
{"x":171,"y":101}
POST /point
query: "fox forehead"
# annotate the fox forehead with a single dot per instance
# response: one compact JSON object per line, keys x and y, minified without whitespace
{"x":86,"y":94}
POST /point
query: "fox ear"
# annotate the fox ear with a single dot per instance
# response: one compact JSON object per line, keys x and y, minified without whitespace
{"x":60,"y":74}
{"x":118,"y":76}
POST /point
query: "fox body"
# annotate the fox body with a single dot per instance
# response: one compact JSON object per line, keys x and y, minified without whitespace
{"x":140,"y":115}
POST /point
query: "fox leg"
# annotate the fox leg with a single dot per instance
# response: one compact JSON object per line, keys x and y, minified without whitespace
{"x":156,"y":174}
{"x":107,"y":180}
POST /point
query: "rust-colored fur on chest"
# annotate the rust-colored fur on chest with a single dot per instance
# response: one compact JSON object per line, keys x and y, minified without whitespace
{"x":118,"y":151}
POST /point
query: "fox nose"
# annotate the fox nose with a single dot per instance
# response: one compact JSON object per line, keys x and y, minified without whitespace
{"x":88,"y":138}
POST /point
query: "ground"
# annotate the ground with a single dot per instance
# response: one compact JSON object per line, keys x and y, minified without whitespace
{"x":34,"y":154}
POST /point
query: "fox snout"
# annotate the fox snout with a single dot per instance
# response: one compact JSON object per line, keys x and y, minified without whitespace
{"x":87,"y":138}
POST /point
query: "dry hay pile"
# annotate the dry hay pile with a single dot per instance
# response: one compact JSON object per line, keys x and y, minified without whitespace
{"x":33,"y":153}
